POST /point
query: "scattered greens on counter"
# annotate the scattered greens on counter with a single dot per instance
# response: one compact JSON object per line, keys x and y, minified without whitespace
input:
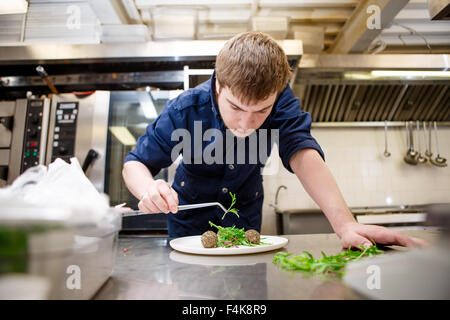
{"x":327,"y":265}
{"x":232,"y":237}
{"x":231,"y":209}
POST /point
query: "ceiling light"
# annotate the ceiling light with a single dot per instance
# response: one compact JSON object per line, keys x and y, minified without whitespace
{"x":123,"y":135}
{"x":410,"y":74}
{"x":147,"y":105}
{"x":13,"y":7}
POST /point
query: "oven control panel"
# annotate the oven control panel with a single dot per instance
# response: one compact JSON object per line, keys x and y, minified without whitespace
{"x":31,"y":151}
{"x":63,"y":144}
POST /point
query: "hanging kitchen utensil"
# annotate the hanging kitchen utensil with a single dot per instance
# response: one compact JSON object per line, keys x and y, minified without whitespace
{"x":428,"y":153}
{"x":387,"y":154}
{"x":430,"y":145}
{"x":420,"y":158}
{"x":438,"y":161}
{"x":411,"y":155}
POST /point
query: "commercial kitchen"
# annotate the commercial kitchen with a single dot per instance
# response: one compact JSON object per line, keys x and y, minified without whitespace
{"x":82,"y":80}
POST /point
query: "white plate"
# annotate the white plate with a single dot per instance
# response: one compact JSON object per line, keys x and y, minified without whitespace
{"x":194,"y":245}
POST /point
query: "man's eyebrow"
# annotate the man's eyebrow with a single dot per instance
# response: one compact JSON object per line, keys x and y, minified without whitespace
{"x":266,"y":108}
{"x":235,"y":105}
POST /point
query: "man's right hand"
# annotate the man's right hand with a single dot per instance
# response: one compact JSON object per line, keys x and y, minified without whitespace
{"x":159,"y":197}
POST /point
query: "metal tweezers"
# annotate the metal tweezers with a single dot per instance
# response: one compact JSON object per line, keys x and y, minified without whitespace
{"x":182,"y":207}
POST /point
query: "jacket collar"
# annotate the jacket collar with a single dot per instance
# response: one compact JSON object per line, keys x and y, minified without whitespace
{"x":214,"y":104}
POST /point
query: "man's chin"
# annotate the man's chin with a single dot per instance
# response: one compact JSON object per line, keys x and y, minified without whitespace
{"x":242,"y":133}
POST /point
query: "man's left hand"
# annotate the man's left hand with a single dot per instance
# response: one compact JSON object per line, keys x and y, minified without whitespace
{"x":355,"y":234}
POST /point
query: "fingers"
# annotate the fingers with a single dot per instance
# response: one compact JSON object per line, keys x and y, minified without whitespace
{"x":170,"y":197}
{"x":387,"y":236}
{"x":355,"y":240}
{"x":160,"y":197}
{"x":416,"y":242}
{"x":380,"y":234}
{"x":406,"y":241}
{"x":147,"y":206}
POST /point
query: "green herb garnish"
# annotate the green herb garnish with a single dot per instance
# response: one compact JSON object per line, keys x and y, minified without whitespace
{"x":327,"y":265}
{"x":231,"y":209}
{"x":232,"y":237}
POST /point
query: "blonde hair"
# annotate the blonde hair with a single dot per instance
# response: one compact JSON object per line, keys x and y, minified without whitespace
{"x":253,"y":66}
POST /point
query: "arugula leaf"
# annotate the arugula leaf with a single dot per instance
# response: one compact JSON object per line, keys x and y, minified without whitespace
{"x":231,"y":209}
{"x":232,"y":237}
{"x":332,"y":266}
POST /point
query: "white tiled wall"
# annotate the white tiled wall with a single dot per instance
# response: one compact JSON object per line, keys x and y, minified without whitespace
{"x":364,"y":175}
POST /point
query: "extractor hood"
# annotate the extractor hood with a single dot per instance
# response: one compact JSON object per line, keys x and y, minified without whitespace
{"x":361,"y":88}
{"x":111,"y":66}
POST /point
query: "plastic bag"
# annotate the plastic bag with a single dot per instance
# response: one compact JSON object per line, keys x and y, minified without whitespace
{"x":62,"y":192}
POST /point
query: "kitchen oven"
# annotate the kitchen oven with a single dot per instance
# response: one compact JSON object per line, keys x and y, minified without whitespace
{"x":23,"y":136}
{"x":99,"y":128}
{"x":78,"y":128}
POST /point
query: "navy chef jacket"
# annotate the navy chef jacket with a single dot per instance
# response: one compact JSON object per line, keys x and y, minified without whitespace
{"x":201,"y":182}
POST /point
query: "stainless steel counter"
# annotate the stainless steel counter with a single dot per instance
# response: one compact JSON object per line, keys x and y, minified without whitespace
{"x":148,"y":268}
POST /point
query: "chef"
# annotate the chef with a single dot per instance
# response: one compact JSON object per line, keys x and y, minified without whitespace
{"x":249,"y":99}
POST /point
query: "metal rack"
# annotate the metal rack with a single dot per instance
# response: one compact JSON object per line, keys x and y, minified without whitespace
{"x":368,"y":124}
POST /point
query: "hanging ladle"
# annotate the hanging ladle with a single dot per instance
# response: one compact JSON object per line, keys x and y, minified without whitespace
{"x":420,"y":158}
{"x":411,"y":155}
{"x":438,"y":161}
{"x":387,"y":154}
{"x":428,"y":152}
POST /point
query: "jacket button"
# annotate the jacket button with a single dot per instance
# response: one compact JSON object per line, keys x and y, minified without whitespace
{"x":225,"y":190}
{"x":256,"y":194}
{"x":231,"y":167}
{"x":182,"y":183}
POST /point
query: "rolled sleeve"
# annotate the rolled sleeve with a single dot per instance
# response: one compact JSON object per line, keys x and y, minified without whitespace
{"x":294,"y":127}
{"x":154,"y":148}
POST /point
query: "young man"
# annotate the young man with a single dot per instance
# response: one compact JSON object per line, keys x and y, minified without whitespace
{"x":247,"y":93}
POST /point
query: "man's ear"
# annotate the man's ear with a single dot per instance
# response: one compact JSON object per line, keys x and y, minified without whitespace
{"x":217,"y":85}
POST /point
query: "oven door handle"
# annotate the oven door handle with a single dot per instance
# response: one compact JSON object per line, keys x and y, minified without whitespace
{"x":90,"y":157}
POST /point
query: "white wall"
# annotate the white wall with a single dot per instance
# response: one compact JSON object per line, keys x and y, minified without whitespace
{"x":364,"y":175}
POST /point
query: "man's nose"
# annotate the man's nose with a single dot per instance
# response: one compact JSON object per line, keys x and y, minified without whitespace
{"x":246,"y":122}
